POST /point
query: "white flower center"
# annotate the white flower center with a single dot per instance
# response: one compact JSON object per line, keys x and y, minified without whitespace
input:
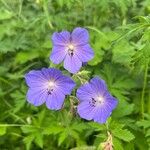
{"x":71,"y":49}
{"x":97,"y":101}
{"x":100,"y":100}
{"x":51,"y":84}
{"x":70,"y":46}
{"x":50,"y":87}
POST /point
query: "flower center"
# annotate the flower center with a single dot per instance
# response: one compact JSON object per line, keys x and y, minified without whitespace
{"x":70,"y":49}
{"x":50,"y":84}
{"x":97,"y":101}
{"x":50,"y":87}
{"x":100,"y":100}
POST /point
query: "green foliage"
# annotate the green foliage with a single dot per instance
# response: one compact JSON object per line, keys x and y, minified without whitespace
{"x":145,"y":125}
{"x":120,"y":37}
{"x":123,"y":134}
{"x":2,"y":130}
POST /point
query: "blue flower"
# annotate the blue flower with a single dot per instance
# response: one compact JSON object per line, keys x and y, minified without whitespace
{"x":72,"y":48}
{"x":96,"y":103}
{"x":48,"y":86}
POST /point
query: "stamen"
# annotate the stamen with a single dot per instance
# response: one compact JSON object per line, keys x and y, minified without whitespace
{"x":100,"y":99}
{"x":49,"y":91}
{"x":92,"y":102}
{"x":70,"y":46}
{"x":70,"y":49}
{"x":51,"y":84}
{"x":96,"y":101}
{"x":50,"y":87}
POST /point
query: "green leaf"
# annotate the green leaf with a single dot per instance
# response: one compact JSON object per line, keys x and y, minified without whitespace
{"x":35,"y":134}
{"x":39,"y":139}
{"x":119,"y":132}
{"x":28,"y":141}
{"x":5,"y":14}
{"x":2,"y":130}
{"x":53,"y":130}
{"x":23,"y":57}
{"x":148,"y":133}
{"x":144,"y":123}
{"x":117,"y":144}
{"x":123,"y":109}
{"x":19,"y":100}
{"x":97,"y":126}
{"x":62,"y":138}
{"x":100,"y":42}
{"x":28,"y":129}
{"x":123,"y":134}
{"x":80,"y":127}
{"x":123,"y":53}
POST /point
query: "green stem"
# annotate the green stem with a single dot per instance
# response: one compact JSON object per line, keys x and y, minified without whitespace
{"x":148,"y":102}
{"x":45,"y":8}
{"x":6,"y":81}
{"x":107,"y":126}
{"x":13,"y":125}
{"x":143,"y":90}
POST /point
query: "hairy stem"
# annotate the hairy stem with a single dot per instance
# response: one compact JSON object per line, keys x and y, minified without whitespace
{"x":143,"y":90}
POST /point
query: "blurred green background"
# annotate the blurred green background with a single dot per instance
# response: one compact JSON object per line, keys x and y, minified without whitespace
{"x":120,"y":37}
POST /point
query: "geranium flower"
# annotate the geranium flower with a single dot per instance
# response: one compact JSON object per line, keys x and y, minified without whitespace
{"x":48,"y":86}
{"x":96,"y":103}
{"x":72,"y":48}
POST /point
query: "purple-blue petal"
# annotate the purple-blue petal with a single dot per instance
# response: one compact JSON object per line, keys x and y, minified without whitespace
{"x":99,"y":85}
{"x":61,"y":38}
{"x":72,"y":63}
{"x":85,"y":92}
{"x":35,"y":78}
{"x":84,"y":52}
{"x":58,"y":54}
{"x":65,"y":84}
{"x":36,"y":96}
{"x":85,"y":111}
{"x":80,"y":36}
{"x":55,"y":100}
{"x":51,"y":73}
{"x":101,"y":115}
{"x":111,"y":102}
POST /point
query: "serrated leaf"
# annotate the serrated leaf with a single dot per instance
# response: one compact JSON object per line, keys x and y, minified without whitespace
{"x":62,"y":138}
{"x":39,"y":139}
{"x":123,"y":109}
{"x":28,"y":129}
{"x":99,"y":42}
{"x":144,"y":123}
{"x":19,"y":100}
{"x":74,"y":134}
{"x":28,"y":141}
{"x":53,"y":130}
{"x":123,"y":53}
{"x":97,"y":126}
{"x":117,"y":144}
{"x":123,"y":134}
{"x":79,"y":127}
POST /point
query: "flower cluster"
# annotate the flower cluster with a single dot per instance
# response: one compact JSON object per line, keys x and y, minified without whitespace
{"x":50,"y":86}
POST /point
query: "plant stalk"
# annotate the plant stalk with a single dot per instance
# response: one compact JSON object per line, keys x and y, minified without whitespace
{"x":143,"y":90}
